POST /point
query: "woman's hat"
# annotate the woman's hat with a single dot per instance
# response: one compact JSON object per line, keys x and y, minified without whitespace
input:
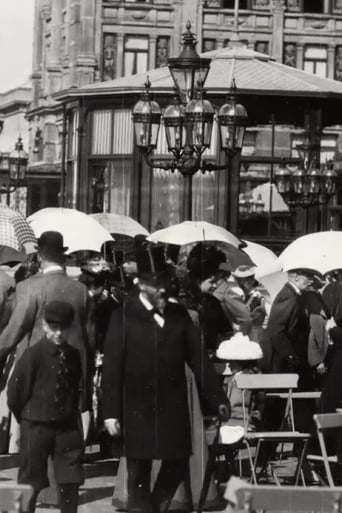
{"x":96,"y":267}
{"x":244,"y":271}
{"x":239,"y":347}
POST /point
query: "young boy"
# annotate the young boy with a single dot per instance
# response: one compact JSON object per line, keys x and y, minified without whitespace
{"x":43,"y":394}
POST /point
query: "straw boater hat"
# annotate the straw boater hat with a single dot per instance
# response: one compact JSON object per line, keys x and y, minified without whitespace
{"x":244,"y":271}
{"x":239,"y":347}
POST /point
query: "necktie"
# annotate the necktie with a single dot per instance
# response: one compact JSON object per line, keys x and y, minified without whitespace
{"x":62,"y":379}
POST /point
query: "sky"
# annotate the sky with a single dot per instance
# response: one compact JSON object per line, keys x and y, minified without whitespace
{"x":16,"y":35}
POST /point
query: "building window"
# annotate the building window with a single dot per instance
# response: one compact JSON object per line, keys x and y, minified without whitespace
{"x":135,"y":55}
{"x":316,"y":60}
{"x":162,"y":54}
{"x":109,"y":56}
{"x":228,"y":4}
{"x":314,"y":6}
{"x":209,"y":45}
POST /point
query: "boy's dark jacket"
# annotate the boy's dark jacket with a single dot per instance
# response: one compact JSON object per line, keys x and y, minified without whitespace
{"x":32,"y":386}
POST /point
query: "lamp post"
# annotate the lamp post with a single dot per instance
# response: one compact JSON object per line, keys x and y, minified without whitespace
{"x":306,"y":186}
{"x":15,"y":163}
{"x":188,"y":121}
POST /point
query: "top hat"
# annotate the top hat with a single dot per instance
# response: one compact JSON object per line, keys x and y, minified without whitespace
{"x":59,"y":312}
{"x":51,"y":243}
{"x":244,"y":271}
{"x":151,"y":264}
{"x":172,"y":252}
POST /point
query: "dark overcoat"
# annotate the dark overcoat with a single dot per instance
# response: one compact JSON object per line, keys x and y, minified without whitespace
{"x":288,"y":328}
{"x":25,"y":326}
{"x":144,"y":384}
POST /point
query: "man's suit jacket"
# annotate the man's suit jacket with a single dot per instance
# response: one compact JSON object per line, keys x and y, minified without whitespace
{"x":288,"y":328}
{"x":25,"y":325}
{"x":144,"y":382}
{"x":332,"y":297}
{"x":7,"y":287}
{"x":231,"y":298}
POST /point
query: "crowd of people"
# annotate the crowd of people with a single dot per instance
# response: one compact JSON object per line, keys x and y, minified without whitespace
{"x":132,"y":343}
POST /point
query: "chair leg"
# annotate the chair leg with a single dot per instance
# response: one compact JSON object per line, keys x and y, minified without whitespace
{"x":300,"y":464}
{"x":251,"y":463}
{"x":209,"y":470}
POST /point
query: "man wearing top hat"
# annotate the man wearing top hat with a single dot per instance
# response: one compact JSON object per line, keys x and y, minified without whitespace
{"x":144,"y":386}
{"x":51,"y":283}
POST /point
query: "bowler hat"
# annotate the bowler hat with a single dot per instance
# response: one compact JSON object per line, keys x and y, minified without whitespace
{"x":51,"y":242}
{"x":59,"y":312}
{"x":151,"y":264}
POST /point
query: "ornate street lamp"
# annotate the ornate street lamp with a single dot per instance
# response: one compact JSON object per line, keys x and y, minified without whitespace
{"x":15,"y":163}
{"x":308,"y":185}
{"x":188,"y":68}
{"x":188,"y":120}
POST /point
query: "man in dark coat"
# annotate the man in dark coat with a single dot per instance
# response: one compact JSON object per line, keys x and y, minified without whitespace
{"x":144,"y":387}
{"x":26,"y":323}
{"x":288,"y":329}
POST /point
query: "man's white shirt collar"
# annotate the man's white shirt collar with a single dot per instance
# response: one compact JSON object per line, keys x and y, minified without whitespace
{"x":53,"y":268}
{"x":295,"y":288}
{"x":158,"y":318}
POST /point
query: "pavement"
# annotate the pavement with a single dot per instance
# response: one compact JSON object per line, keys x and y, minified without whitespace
{"x":96,"y":493}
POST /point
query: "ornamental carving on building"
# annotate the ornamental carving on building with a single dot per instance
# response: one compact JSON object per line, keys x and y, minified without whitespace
{"x":162,"y":52}
{"x":261,"y":4}
{"x":209,"y":45}
{"x":290,"y":55}
{"x":212,"y":3}
{"x":108,"y":56}
{"x":262,"y":47}
{"x":338,"y":5}
{"x":338,"y":63}
{"x":293,"y":5}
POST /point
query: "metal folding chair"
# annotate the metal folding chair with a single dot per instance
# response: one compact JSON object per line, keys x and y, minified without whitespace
{"x":15,"y":497}
{"x":326,"y":423}
{"x":254,"y":383}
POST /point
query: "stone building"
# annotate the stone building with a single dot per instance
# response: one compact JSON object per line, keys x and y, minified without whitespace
{"x":80,"y":42}
{"x":13,"y":124}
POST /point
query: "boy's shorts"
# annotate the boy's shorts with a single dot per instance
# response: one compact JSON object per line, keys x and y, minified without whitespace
{"x":63,"y":441}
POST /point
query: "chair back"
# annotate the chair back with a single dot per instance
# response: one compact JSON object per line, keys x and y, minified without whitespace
{"x":289,"y":499}
{"x":267,"y":381}
{"x":15,"y":497}
{"x":258,"y":382}
{"x":326,"y":421}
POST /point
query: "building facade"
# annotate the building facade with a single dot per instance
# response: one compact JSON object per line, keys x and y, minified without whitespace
{"x":14,"y":104}
{"x":80,"y":42}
